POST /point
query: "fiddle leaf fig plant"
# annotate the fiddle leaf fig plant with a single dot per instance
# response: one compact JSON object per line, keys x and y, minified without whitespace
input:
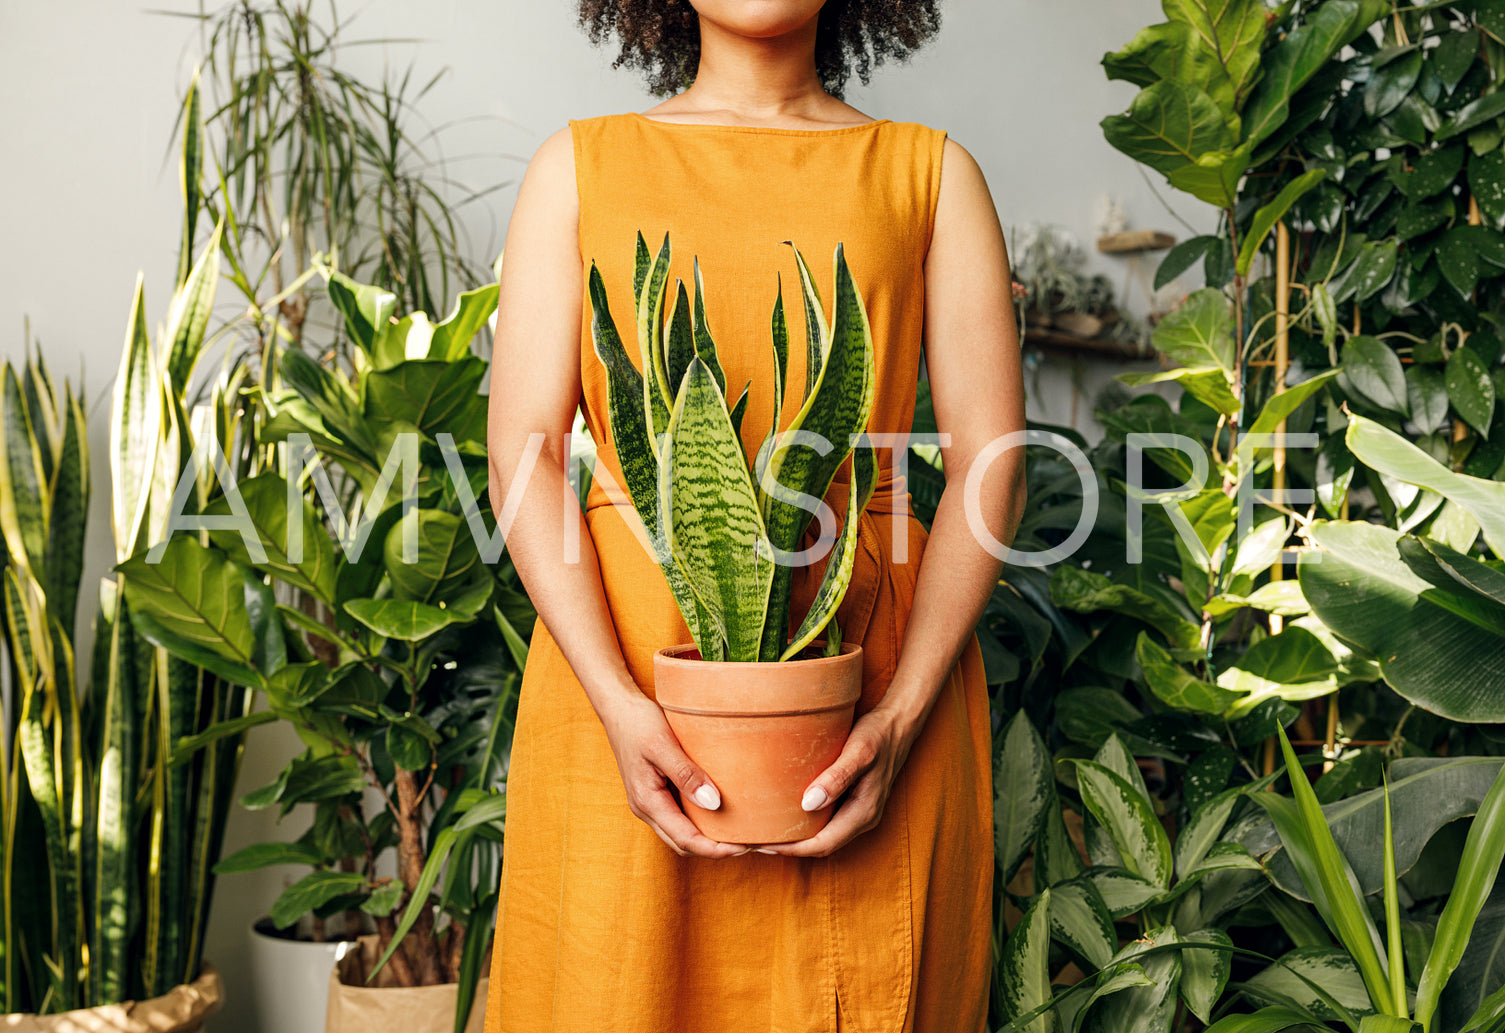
{"x":724,"y":531}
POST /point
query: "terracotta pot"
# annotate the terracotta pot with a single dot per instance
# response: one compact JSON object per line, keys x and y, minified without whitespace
{"x":355,"y":1007}
{"x":182,"y":1009}
{"x":762,"y":732}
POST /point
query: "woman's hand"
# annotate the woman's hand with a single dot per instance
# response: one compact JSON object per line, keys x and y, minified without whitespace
{"x":650,"y":760}
{"x":876,"y":749}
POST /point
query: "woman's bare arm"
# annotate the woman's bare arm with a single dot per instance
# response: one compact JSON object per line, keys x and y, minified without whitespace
{"x":535,"y":389}
{"x":977,"y":387}
{"x":972,"y":355}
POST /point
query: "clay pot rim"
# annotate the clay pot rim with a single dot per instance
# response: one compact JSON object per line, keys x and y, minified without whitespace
{"x":672,"y":655}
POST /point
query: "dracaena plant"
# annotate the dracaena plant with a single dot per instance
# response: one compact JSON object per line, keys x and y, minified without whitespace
{"x":724,"y":531}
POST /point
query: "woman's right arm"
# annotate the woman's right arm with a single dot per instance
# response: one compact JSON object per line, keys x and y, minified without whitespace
{"x":535,"y":388}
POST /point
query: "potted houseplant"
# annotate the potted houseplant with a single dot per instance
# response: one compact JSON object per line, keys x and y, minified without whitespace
{"x":379,"y":668}
{"x":747,"y":696}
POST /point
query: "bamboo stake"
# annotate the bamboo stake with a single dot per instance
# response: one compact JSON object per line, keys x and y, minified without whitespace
{"x":1282,"y":363}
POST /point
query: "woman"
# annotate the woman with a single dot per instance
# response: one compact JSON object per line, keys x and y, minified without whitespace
{"x":617,"y":915}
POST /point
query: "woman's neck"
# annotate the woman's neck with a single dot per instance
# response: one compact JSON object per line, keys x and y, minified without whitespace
{"x":759,"y":79}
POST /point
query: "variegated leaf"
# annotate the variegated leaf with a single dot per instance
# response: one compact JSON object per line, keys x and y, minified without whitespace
{"x":681,"y":344}
{"x":135,"y":431}
{"x":188,"y":313}
{"x":838,"y":574}
{"x":705,"y":345}
{"x":817,"y":333}
{"x":657,"y":394}
{"x":635,"y":450}
{"x":836,"y":410}
{"x":1024,"y":969}
{"x":1129,"y":819}
{"x":715,"y":531}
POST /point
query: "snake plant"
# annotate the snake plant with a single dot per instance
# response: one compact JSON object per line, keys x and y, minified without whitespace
{"x":724,"y":531}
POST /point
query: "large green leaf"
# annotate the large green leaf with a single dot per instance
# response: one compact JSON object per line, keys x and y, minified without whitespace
{"x":266,"y":500}
{"x":1388,"y":453}
{"x":1290,"y":979}
{"x":1208,"y":386}
{"x":1199,"y":334}
{"x":1268,"y":215}
{"x":313,"y":890}
{"x":367,"y":310}
{"x":1146,"y":1007}
{"x":1178,"y":130}
{"x":1327,"y":874}
{"x":1483,"y":852}
{"x":715,"y":530}
{"x":203,"y":607}
{"x":1022,"y":791}
{"x":451,"y":340}
{"x":1440,"y":649}
{"x":404,"y":619}
{"x":1086,"y":591}
{"x":1024,"y":968}
{"x":1080,"y":922}
{"x":1291,"y":665}
{"x":1205,"y":970}
{"x":432,"y":394}
{"x":1177,"y":686}
{"x":446,"y":566}
{"x":1471,"y":389}
{"x":1295,"y":59}
{"x":1172,"y":50}
{"x":1129,"y":819}
{"x":1232,"y":31}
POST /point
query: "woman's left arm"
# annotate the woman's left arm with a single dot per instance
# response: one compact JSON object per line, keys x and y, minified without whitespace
{"x":976,"y":383}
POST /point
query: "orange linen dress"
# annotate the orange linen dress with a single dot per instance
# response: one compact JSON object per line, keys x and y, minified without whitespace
{"x":602,"y":928}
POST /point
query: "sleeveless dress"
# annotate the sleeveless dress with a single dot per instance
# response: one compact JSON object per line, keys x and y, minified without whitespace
{"x":602,"y":928}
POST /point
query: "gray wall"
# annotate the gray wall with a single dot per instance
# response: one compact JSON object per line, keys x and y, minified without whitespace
{"x":90,"y":92}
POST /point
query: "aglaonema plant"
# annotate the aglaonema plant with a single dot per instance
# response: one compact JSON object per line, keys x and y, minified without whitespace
{"x":723,"y":533}
{"x":1328,"y":877}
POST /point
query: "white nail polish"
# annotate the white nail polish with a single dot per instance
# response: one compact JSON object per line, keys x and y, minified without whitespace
{"x":707,"y":797}
{"x":815,"y":797}
{"x":765,"y":850}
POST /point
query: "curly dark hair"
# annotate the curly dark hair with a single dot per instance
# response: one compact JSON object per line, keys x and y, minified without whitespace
{"x":662,"y":37}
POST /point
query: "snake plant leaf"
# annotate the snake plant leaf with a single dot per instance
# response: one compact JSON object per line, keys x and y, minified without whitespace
{"x":836,"y":411}
{"x":716,"y":533}
{"x":658,"y":396}
{"x":705,"y":345}
{"x":640,"y":265}
{"x":739,"y":409}
{"x":780,"y":330}
{"x":451,"y":340}
{"x":24,"y":502}
{"x":1024,"y":969}
{"x":69,"y":513}
{"x":267,"y":499}
{"x":134,"y":432}
{"x":188,"y":313}
{"x":817,"y":333}
{"x":1478,"y":867}
{"x":843,"y":555}
{"x":1388,"y":453}
{"x":681,"y":345}
{"x":112,"y":902}
{"x":190,"y":172}
{"x":636,"y":451}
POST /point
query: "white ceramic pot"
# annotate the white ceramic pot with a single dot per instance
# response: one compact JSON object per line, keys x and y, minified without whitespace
{"x":289,"y":990}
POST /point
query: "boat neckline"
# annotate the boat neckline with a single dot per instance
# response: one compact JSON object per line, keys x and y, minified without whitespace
{"x":781,"y":130}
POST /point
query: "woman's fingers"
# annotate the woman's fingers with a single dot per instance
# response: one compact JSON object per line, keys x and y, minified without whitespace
{"x":859,"y":813}
{"x":661,"y":812}
{"x":857,"y":756}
